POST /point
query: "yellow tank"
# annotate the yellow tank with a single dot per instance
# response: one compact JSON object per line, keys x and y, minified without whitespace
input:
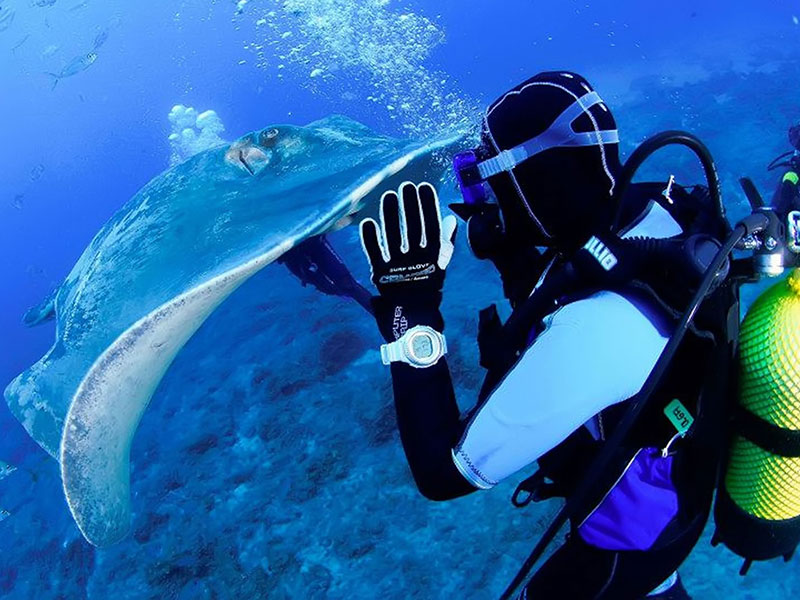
{"x":758,"y":504}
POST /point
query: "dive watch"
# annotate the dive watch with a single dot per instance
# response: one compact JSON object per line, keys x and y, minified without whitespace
{"x":421,"y":346}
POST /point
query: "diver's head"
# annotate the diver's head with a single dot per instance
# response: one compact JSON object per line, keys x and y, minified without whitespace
{"x":794,"y":136}
{"x":549,"y":156}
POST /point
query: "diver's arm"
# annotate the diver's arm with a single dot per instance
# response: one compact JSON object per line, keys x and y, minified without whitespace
{"x":408,"y":253}
{"x":336,"y":271}
{"x":315,"y":261}
{"x":429,"y":425}
{"x":593,"y":353}
{"x":428,"y":417}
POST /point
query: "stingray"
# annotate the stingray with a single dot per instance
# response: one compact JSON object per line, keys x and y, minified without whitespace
{"x":162,"y":264}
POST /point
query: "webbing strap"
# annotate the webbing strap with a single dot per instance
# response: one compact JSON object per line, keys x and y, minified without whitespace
{"x":766,"y":435}
{"x":560,"y":134}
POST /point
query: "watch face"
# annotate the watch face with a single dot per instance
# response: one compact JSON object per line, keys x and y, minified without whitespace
{"x":422,"y":346}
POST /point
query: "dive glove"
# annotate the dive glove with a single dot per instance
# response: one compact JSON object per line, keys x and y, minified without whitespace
{"x":408,"y":258}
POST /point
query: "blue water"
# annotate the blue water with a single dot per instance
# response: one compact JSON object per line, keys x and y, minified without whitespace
{"x":293,"y":487}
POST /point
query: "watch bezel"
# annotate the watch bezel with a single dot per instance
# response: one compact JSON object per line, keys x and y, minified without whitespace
{"x":436,"y":346}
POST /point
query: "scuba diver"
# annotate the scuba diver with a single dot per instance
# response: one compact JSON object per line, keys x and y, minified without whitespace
{"x":787,"y":194}
{"x":599,"y":374}
{"x":315,"y":261}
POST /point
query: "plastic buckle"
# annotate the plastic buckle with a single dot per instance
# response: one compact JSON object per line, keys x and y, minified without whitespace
{"x":535,"y":489}
{"x":506,"y":160}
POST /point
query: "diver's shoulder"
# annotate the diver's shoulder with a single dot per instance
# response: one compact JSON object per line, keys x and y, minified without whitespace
{"x":609,"y":308}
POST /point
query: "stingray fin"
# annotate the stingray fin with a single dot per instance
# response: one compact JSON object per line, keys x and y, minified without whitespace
{"x":44,"y":311}
{"x":110,"y":401}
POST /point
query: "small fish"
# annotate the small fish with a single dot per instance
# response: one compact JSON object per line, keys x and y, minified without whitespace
{"x":6,"y":18}
{"x":102,"y":35}
{"x":6,"y":469}
{"x":100,"y":39}
{"x":17,"y":202}
{"x":35,"y":272}
{"x":79,"y":6}
{"x":37,"y":172}
{"x":43,"y":3}
{"x":4,"y":514}
{"x":76,"y":65}
{"x":19,"y":43}
{"x":49,"y":51}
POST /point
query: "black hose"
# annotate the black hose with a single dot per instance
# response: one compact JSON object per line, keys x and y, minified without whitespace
{"x":775,"y":164}
{"x":637,"y":404}
{"x":751,"y":192}
{"x":655,"y":143}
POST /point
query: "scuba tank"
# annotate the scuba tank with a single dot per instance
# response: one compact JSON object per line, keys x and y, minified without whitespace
{"x":757,"y":510}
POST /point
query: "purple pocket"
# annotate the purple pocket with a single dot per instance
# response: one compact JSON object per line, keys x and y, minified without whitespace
{"x":637,"y":509}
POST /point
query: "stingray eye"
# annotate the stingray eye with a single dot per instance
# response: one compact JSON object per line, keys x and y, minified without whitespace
{"x":269,"y":137}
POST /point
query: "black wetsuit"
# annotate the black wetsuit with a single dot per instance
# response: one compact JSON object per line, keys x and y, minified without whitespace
{"x":315,"y":262}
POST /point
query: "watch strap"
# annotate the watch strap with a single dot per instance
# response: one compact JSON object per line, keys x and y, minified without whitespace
{"x":391,"y":352}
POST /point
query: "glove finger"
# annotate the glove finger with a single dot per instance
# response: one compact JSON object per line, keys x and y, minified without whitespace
{"x":449,"y":227}
{"x":413,"y":215}
{"x":371,"y":244}
{"x":431,"y":217}
{"x":392,"y":227}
